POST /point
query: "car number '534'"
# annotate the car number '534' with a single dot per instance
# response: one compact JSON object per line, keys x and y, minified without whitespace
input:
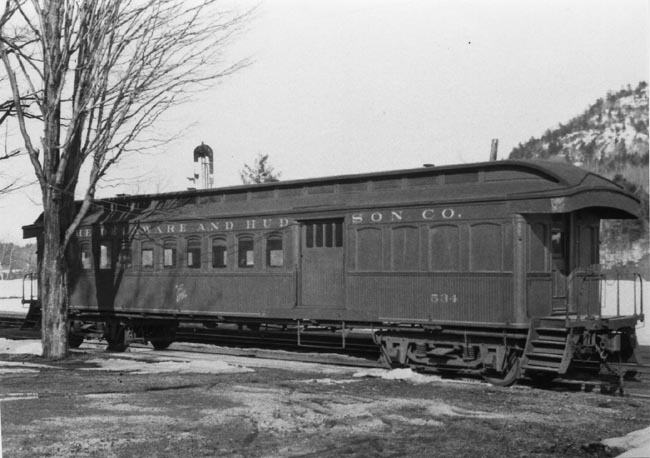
{"x":444,"y":298}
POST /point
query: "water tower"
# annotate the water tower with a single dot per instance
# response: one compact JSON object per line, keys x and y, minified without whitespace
{"x":203,"y":166}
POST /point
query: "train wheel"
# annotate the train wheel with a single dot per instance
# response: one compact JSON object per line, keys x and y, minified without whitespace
{"x":509,"y":375}
{"x":160,"y":344}
{"x":163,"y":337}
{"x":115,"y":335}
{"x":541,"y":379}
{"x":75,"y":341}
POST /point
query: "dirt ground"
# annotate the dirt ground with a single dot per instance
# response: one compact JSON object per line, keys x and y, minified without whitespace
{"x":148,"y":404}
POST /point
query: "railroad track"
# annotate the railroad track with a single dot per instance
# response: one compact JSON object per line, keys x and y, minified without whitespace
{"x":320,"y":345}
{"x":12,"y":327}
{"x":317,"y":339}
{"x":638,"y":387}
{"x":257,"y":353}
{"x":8,"y":320}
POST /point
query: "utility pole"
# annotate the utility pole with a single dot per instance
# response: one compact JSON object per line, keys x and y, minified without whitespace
{"x":493,"y":149}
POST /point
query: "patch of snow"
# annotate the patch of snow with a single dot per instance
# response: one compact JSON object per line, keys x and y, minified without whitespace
{"x":286,"y":411}
{"x":408,"y":375}
{"x":18,"y":396}
{"x":23,"y":364}
{"x":19,"y":347}
{"x":143,"y":367}
{"x":13,"y":305}
{"x":11,"y":288}
{"x":11,"y":293}
{"x":300,"y":366}
{"x":636,"y":443}
{"x":328,"y":381}
{"x":17,"y":370}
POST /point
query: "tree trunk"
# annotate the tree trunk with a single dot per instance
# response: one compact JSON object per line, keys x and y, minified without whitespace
{"x":53,"y":279}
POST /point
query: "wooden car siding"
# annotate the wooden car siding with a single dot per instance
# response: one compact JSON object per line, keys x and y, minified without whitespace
{"x":233,"y":293}
{"x":480,"y":298}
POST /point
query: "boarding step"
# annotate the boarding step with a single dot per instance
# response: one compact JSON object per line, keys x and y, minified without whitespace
{"x":544,"y":356}
{"x":549,"y":348}
{"x":536,"y":368}
{"x":546,"y":346}
{"x":543,"y":360}
{"x":558,"y":337}
{"x":552,"y":323}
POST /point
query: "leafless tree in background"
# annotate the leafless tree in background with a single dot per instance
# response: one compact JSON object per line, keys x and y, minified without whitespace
{"x":7,"y":112}
{"x":100,"y":72}
{"x":6,"y":255}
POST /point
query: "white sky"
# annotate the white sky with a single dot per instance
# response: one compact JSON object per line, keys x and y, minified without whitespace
{"x":352,"y":86}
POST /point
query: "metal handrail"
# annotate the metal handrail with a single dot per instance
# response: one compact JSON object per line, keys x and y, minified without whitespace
{"x":638,"y":275}
{"x":583,"y":274}
{"x":637,"y":298}
{"x":579,"y":304}
{"x":29,"y":275}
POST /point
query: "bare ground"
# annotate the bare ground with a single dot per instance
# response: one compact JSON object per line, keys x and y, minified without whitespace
{"x":77,"y":408}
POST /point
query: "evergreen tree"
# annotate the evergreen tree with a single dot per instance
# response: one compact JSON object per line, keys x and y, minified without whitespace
{"x":259,"y":172}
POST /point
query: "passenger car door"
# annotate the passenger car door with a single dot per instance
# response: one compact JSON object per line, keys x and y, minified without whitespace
{"x":322,"y":263}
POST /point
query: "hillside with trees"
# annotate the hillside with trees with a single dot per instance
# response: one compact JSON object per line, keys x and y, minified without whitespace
{"x":16,"y":261}
{"x":610,"y":138}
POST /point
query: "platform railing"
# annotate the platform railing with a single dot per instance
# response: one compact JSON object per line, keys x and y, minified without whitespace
{"x":30,"y":288}
{"x":594,"y":293}
{"x":628,"y":293}
{"x":585,"y":292}
{"x":640,"y":278}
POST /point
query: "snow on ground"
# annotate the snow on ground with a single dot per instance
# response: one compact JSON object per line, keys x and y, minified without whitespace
{"x":11,"y":294}
{"x":145,"y":361}
{"x":20,"y":347}
{"x":20,"y":367}
{"x":177,"y":366}
{"x":288,"y":411}
{"x":636,"y":443}
{"x":11,"y":288}
{"x":140,"y":353}
{"x":406,"y":374}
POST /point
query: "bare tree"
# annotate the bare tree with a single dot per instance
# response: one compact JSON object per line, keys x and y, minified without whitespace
{"x":101,"y":72}
{"x":6,"y":254}
{"x":259,"y":172}
{"x":7,"y":111}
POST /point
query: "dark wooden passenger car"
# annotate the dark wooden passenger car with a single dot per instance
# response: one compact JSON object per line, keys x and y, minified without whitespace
{"x":489,"y":267}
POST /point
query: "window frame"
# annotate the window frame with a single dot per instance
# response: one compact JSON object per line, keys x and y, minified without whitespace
{"x":87,"y":248}
{"x":147,"y":246}
{"x":219,"y":241}
{"x":245,"y":238}
{"x":170,"y":244}
{"x":105,"y":258}
{"x":274,"y":237}
{"x":191,"y":249}
{"x":124,"y":254}
{"x":323,"y":233}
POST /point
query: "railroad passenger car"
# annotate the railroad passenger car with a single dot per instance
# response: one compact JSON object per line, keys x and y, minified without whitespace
{"x":489,"y":267}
